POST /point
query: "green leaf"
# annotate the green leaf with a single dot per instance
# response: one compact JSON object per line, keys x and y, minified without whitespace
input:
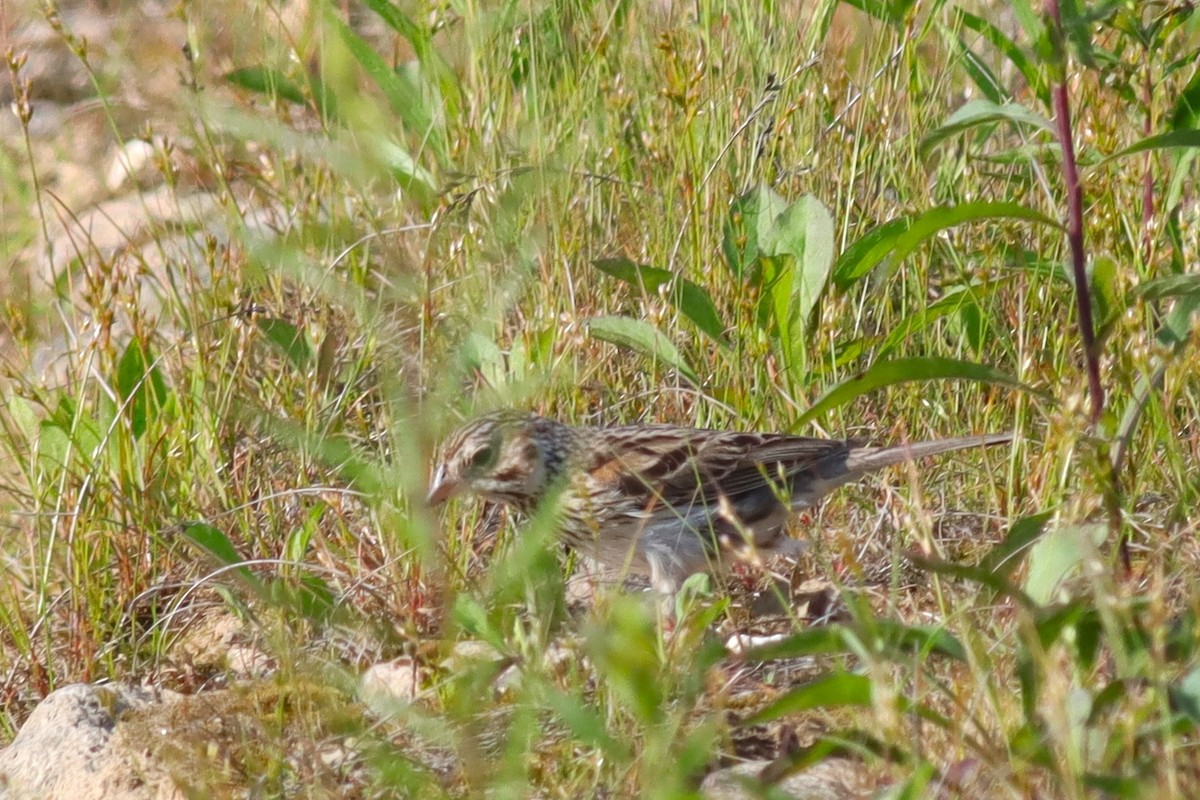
{"x":1186,"y":115}
{"x":868,"y":250}
{"x":268,"y":81}
{"x":851,"y":743}
{"x":750,"y":220}
{"x":1006,"y":556}
{"x":1030,"y":71}
{"x":1162,"y":141}
{"x":976,"y":113}
{"x":624,"y":649}
{"x":1169,"y":286}
{"x":296,"y":545}
{"x":903,"y":370}
{"x":1103,"y":277}
{"x":801,"y":240}
{"x":825,"y":640}
{"x":979,"y":71}
{"x":289,"y":339}
{"x":691,"y":299}
{"x":894,"y":639}
{"x":698,"y":306}
{"x":1185,"y":695}
{"x":834,"y":691}
{"x":140,"y":385}
{"x":954,"y":302}
{"x":886,"y":638}
{"x":273,"y":83}
{"x":643,"y":338}
{"x":585,"y":723}
{"x":398,"y":21}
{"x":53,"y":447}
{"x":404,"y":93}
{"x":952,"y":569}
{"x":214,"y":542}
{"x":893,"y":12}
{"x":896,"y":239}
{"x":1057,"y":555}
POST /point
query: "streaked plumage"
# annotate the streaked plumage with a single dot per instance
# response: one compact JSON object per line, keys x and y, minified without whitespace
{"x":660,"y":499}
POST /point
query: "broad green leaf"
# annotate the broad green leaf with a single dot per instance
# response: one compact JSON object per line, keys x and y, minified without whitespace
{"x":1169,"y":286}
{"x":22,"y":415}
{"x":802,"y":242}
{"x":906,"y":234}
{"x":398,"y":21}
{"x":903,"y":370}
{"x":643,"y":276}
{"x":1185,"y":695}
{"x":696,"y":304}
{"x":825,"y":640}
{"x":853,"y":743}
{"x":53,"y":446}
{"x":868,"y":250}
{"x":751,"y":218}
{"x":406,"y":170}
{"x":1006,"y":556}
{"x":1162,"y":141}
{"x":1080,"y":625}
{"x":834,"y":691}
{"x":214,"y":542}
{"x":643,"y":338}
{"x":296,"y":545}
{"x":1058,"y":554}
{"x":141,"y":386}
{"x":289,"y":339}
{"x":1103,"y":275}
{"x":979,"y":112}
{"x":691,"y":299}
{"x":268,"y":81}
{"x":403,"y":93}
{"x":1186,"y":115}
{"x":886,"y":638}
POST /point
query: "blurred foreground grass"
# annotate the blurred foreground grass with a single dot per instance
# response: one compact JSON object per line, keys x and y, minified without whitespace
{"x":349,"y":225}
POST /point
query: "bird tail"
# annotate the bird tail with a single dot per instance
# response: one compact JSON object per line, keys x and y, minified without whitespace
{"x":868,"y":459}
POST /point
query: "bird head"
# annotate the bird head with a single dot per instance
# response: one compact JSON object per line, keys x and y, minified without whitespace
{"x":499,"y":456}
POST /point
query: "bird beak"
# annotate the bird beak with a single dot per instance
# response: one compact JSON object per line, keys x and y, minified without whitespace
{"x":441,"y":489}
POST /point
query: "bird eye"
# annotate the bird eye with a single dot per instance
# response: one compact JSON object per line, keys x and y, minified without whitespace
{"x":482,"y":457}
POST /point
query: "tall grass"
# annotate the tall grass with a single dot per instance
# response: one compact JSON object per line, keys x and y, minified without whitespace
{"x":846,"y":219}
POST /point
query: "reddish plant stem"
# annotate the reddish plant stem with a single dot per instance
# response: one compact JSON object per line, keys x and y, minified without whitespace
{"x":1083,"y":298}
{"x":1148,"y":174}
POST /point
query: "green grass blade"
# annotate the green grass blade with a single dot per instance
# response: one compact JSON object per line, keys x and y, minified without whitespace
{"x":643,"y":338}
{"x":904,"y":370}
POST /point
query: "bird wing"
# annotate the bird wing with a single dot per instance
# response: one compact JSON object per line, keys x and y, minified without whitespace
{"x":681,"y":467}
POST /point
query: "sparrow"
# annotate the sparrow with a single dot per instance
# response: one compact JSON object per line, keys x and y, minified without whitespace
{"x":660,"y":500}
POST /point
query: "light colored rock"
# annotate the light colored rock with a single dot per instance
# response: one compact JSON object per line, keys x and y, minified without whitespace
{"x":397,"y":681}
{"x":66,"y":749}
{"x":132,"y":160}
{"x":834,"y":779}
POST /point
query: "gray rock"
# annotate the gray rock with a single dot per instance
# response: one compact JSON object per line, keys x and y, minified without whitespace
{"x":66,"y":749}
{"x":834,"y":779}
